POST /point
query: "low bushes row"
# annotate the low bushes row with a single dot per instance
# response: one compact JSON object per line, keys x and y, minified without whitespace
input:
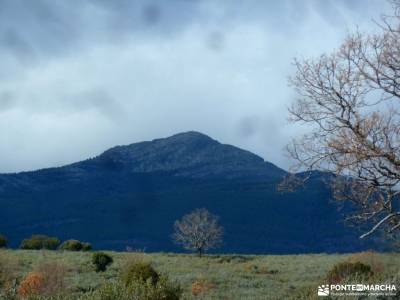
{"x":38,"y":242}
{"x":75,"y":245}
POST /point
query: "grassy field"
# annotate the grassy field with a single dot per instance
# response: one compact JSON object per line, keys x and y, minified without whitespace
{"x":227,"y":276}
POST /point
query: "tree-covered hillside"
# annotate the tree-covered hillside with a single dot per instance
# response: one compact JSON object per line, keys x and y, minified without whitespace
{"x":131,"y":196}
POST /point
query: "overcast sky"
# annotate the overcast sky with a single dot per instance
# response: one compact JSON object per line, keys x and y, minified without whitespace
{"x":78,"y":77}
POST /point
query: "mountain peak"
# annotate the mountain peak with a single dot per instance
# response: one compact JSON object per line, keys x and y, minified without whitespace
{"x":188,"y":154}
{"x":188,"y":135}
{"x":187,"y":138}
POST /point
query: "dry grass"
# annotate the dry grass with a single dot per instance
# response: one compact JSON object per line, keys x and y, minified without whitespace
{"x":9,"y":268}
{"x":217,"y":276}
{"x":201,"y":287}
{"x":54,"y":278}
{"x":369,"y":258}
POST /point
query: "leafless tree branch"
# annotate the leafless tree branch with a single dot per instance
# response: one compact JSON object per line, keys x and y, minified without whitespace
{"x":350,"y":98}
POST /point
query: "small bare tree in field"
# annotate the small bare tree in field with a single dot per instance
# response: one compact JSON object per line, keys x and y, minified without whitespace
{"x":198,"y":231}
{"x":351,"y":101}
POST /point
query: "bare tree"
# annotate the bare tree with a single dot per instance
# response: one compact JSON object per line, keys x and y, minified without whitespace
{"x":350,"y":99}
{"x":198,"y":231}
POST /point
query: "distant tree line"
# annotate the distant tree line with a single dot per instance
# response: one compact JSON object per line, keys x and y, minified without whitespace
{"x":40,"y":241}
{"x":198,"y":231}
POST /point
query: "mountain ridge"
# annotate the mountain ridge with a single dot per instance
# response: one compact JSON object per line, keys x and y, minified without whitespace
{"x":131,"y":195}
{"x":114,"y":154}
{"x":184,"y":152}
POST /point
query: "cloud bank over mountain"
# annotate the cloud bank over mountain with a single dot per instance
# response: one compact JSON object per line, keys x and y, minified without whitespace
{"x":78,"y":77}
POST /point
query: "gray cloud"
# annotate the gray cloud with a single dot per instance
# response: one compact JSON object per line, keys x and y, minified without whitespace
{"x":78,"y":77}
{"x":7,"y":101}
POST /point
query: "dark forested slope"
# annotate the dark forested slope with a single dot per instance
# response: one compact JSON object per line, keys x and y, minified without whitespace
{"x":131,"y":195}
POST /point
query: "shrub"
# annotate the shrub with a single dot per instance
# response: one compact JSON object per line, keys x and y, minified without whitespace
{"x":345,"y":270}
{"x":369,"y":258}
{"x":101,"y":261}
{"x":75,"y":245}
{"x":86,"y":247}
{"x":108,"y":291}
{"x":37,"y":242}
{"x":163,"y":290}
{"x":200,"y":287}
{"x":140,"y":271}
{"x":49,"y":280}
{"x":31,"y":285}
{"x":71,"y":245}
{"x":3,"y":241}
{"x":54,"y":278}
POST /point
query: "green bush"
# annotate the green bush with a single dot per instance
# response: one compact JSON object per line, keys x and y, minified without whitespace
{"x":71,"y":245}
{"x":37,"y":242}
{"x":108,"y":291}
{"x":75,"y":245}
{"x":163,"y":290}
{"x":3,"y":241}
{"x":101,"y":261}
{"x":140,"y":271}
{"x":346,"y":270}
{"x":86,"y":247}
{"x":137,"y":290}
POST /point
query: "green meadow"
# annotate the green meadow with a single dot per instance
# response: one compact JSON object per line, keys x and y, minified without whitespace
{"x":208,"y":277}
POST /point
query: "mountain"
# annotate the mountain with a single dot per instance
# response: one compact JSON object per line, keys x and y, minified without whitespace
{"x":131,"y":195}
{"x":191,"y":155}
